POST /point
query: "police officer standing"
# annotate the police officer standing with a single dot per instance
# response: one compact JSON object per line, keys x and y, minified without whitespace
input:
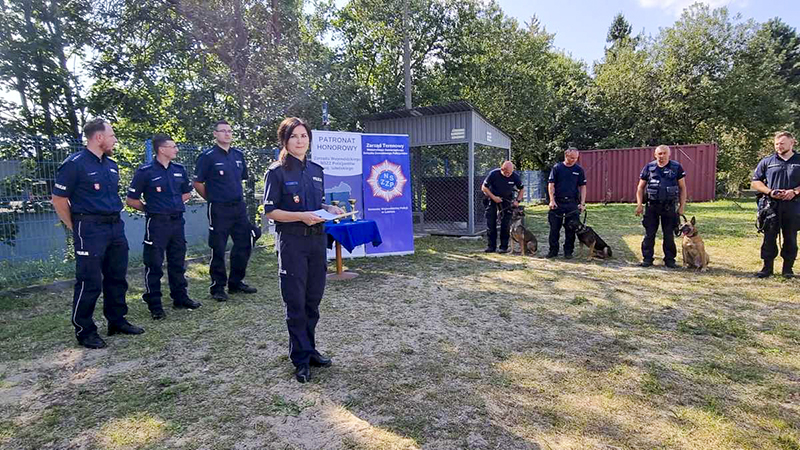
{"x":778,"y":176}
{"x":218,"y":179}
{"x":499,"y":188}
{"x":165,"y":187}
{"x":567,"y":188}
{"x":662,"y":186}
{"x":86,"y":199}
{"x":293,"y":189}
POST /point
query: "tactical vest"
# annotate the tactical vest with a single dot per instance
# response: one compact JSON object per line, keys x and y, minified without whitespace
{"x":662,"y":188}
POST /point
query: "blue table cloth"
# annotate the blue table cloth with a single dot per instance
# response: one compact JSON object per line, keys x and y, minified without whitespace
{"x":352,"y":234}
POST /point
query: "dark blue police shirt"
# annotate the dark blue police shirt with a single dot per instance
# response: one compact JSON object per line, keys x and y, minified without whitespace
{"x":162,"y":187}
{"x":660,"y":179}
{"x":298,"y":186}
{"x":222,"y":172}
{"x":567,"y":180}
{"x":501,"y":185}
{"x":776,"y":173}
{"x":90,"y":183}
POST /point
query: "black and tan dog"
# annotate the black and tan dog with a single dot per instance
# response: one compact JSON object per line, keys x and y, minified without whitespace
{"x":694,"y":250}
{"x":589,"y":238}
{"x":520,"y":235}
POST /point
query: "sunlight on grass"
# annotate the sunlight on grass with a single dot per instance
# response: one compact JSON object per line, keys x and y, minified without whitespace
{"x":131,"y":432}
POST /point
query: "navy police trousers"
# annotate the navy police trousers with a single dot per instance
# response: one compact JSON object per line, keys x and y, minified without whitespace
{"x":302,"y":264}
{"x":655,"y":213}
{"x":229,"y":219}
{"x":101,"y":264}
{"x":164,"y":233}
{"x":557,"y":219}
{"x":491,"y":224}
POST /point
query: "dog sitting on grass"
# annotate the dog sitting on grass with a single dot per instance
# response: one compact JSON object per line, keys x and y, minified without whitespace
{"x":598,"y":248}
{"x":694,"y":250}
{"x":520,"y":235}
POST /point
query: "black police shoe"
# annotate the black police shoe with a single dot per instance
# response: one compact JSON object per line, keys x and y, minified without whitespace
{"x":568,"y":256}
{"x":219,"y":295}
{"x":186,"y":303}
{"x":502,"y":250}
{"x":765,"y":271}
{"x":551,"y":255}
{"x":319,"y":361}
{"x":92,"y":341}
{"x":670,"y":264}
{"x":124,"y":328}
{"x":489,"y":250}
{"x":303,"y":373}
{"x":646,"y":263}
{"x":243,"y":288}
{"x":158,"y":314}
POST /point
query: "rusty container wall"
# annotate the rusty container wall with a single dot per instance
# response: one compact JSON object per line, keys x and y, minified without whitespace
{"x":613,"y":174}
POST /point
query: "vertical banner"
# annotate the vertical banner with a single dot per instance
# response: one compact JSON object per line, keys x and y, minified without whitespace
{"x":387,"y":192}
{"x":340,"y":154}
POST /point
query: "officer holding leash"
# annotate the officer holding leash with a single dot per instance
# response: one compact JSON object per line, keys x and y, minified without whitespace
{"x":499,"y":188}
{"x":567,"y":189}
{"x":166,"y":187}
{"x":218,"y":177}
{"x":293,"y":190}
{"x":86,"y":199}
{"x":662,"y":186}
{"x":778,"y":178}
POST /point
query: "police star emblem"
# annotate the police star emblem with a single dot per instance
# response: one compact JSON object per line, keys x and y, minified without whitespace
{"x":387,"y":180}
{"x":97,"y":186}
{"x":222,"y":172}
{"x":158,"y":188}
{"x":296,"y":198}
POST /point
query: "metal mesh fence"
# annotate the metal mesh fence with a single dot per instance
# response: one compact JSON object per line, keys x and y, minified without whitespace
{"x":440,"y":185}
{"x":35,"y":247}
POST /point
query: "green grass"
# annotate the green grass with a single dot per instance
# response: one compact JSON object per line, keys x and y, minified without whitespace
{"x":446,"y":348}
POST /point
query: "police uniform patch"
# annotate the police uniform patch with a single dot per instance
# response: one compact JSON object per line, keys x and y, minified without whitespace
{"x":158,"y":188}
{"x":97,"y":186}
{"x":222,"y":172}
{"x":296,"y":198}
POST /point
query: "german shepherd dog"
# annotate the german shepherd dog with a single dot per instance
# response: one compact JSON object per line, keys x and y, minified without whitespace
{"x":520,"y":235}
{"x":694,"y":250}
{"x":589,"y":238}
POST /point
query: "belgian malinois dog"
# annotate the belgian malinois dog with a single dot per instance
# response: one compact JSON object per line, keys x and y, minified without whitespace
{"x":521,"y":235}
{"x":694,"y":250}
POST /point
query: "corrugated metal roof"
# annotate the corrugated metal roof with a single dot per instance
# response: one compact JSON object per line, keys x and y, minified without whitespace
{"x":459,"y":106}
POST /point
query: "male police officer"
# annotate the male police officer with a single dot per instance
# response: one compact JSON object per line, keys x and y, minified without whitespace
{"x":218,"y":178}
{"x":567,"y":188}
{"x":662,"y":186}
{"x":166,"y":187}
{"x":86,"y":199}
{"x":778,"y":176}
{"x":499,"y":188}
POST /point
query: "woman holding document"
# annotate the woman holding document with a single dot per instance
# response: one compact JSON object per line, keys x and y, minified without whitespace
{"x":293,"y":190}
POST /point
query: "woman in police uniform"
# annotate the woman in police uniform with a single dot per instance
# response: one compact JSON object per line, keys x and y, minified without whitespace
{"x":293,"y":189}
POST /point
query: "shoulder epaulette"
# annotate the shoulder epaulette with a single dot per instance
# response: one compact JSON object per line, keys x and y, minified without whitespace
{"x":145,"y":166}
{"x":180,"y":166}
{"x":316,"y":164}
{"x":274,"y":165}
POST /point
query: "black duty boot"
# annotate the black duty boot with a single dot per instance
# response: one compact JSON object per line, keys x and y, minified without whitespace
{"x":787,"y":271}
{"x":767,"y":270}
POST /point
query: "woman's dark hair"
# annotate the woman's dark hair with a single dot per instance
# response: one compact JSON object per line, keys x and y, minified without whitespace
{"x":159,"y":140}
{"x":285,"y":130}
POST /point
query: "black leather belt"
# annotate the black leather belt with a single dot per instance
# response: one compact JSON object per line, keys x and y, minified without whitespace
{"x":175,"y":216}
{"x":236,"y":203}
{"x":566,"y":199}
{"x":300,"y":229}
{"x":100,"y":218}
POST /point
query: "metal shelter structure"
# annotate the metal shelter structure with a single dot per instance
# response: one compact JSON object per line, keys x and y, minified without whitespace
{"x":453,"y":147}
